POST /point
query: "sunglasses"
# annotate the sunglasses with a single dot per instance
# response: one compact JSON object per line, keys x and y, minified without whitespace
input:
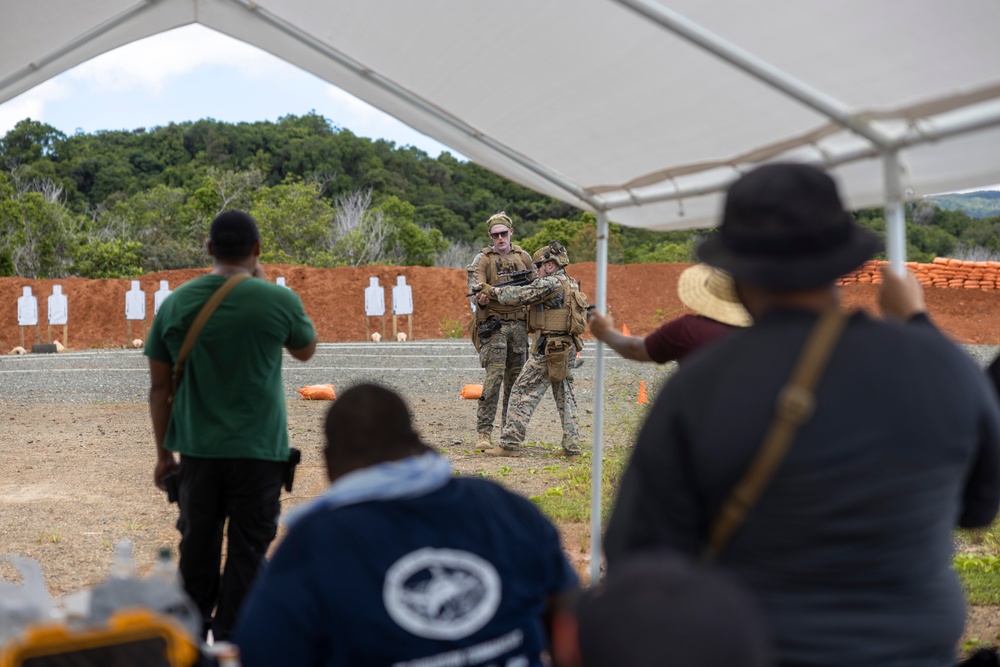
{"x":500,"y":235}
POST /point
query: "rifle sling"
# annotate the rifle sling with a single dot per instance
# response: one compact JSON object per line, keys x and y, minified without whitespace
{"x":199,"y":323}
{"x":795,"y":405}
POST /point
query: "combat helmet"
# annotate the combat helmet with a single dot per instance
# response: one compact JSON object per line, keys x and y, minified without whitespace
{"x":555,"y":251}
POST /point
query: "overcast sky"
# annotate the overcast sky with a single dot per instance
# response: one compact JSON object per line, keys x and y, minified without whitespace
{"x":192,"y":73}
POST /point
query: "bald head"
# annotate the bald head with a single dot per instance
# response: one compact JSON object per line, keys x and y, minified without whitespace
{"x":367,"y":425}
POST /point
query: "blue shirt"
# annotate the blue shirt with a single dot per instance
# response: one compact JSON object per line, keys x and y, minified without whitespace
{"x":459,"y":576}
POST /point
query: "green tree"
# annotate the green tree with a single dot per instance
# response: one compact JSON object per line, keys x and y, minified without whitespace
{"x":409,"y":244}
{"x":583,"y":246}
{"x":295,"y":224}
{"x":28,"y":142}
{"x":37,"y":237}
{"x":108,"y":259}
{"x":561,"y":230}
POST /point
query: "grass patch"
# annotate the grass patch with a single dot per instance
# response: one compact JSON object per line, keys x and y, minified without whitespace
{"x":568,"y":499}
{"x":451,"y":328}
{"x":978,"y":564}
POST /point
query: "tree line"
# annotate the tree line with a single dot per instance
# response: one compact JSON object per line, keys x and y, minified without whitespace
{"x":121,"y":203}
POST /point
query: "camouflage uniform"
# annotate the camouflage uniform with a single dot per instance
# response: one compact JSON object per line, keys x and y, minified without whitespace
{"x":503,"y":354}
{"x":534,"y":379}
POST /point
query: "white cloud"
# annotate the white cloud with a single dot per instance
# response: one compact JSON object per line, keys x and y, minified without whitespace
{"x":31,"y":104}
{"x":150,"y":63}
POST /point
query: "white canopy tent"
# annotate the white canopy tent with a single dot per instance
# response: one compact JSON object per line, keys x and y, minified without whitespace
{"x":637,"y":110}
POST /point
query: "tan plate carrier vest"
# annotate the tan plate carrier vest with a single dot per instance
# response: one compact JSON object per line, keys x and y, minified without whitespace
{"x":552,"y":320}
{"x":495,"y":264}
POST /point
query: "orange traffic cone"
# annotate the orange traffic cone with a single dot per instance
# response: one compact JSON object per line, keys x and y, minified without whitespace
{"x":625,"y":330}
{"x":642,"y":392}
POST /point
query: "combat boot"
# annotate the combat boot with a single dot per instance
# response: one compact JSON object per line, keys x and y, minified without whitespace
{"x":483,"y":443}
{"x":570,"y":448}
{"x":502,"y":451}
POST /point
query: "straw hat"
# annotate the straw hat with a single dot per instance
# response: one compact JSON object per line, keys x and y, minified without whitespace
{"x":710,"y":292}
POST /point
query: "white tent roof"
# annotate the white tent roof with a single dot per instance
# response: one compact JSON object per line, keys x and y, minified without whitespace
{"x":601,"y":103}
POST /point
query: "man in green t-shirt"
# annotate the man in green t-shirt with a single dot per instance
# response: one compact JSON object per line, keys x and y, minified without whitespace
{"x":227,"y":418}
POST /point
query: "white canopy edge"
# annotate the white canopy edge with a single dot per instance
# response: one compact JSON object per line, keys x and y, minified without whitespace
{"x":691,"y":190}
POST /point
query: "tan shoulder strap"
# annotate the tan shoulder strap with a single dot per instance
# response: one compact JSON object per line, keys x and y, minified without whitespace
{"x":199,"y":323}
{"x":795,"y":405}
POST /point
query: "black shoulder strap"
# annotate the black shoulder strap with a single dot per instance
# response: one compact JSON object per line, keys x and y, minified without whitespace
{"x":795,"y":405}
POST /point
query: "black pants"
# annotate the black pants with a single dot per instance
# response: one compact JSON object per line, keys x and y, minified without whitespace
{"x":246,"y":491}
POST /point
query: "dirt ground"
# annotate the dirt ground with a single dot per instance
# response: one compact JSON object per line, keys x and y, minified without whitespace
{"x":640,"y":296}
{"x":56,"y":505}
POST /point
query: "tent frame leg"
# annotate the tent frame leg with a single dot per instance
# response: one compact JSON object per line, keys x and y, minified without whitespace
{"x":597,"y":465}
{"x":895,"y":218}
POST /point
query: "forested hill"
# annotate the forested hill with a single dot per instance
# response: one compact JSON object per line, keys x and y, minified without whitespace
{"x":979,"y":204}
{"x":91,"y":168}
{"x":122,"y":203}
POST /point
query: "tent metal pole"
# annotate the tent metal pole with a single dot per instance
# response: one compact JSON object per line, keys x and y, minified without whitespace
{"x":895,"y":220}
{"x":757,"y":68}
{"x":597,"y":461}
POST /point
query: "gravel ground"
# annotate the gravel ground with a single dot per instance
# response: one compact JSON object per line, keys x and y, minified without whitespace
{"x":77,"y":454}
{"x":77,"y":451}
{"x":415,"y":369}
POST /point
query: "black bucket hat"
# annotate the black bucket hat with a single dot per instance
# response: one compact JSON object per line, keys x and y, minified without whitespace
{"x":785,"y":228}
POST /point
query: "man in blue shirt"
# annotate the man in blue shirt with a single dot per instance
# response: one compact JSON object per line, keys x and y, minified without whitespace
{"x":401,"y":563}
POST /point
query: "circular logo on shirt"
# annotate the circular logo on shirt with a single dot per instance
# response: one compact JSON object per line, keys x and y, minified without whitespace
{"x":441,"y":593}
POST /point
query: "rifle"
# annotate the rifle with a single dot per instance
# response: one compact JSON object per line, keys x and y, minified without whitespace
{"x":514,"y":279}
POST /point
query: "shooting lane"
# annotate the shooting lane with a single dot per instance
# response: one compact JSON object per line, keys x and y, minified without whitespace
{"x":135,"y":310}
{"x":27,"y":313}
{"x":58,"y":311}
{"x":374,"y":305}
{"x":160,"y":295}
{"x":402,"y":304}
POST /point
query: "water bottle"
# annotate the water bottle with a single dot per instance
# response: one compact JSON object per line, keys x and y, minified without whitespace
{"x":122,"y":588}
{"x":25,"y":604}
{"x":123,"y":565}
{"x":161,"y":592}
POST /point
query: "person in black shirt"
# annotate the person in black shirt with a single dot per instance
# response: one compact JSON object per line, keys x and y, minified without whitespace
{"x":848,"y":549}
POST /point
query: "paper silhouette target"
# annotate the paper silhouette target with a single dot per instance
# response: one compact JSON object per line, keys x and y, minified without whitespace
{"x":374,"y":299}
{"x":402,"y":297}
{"x":58,"y":307}
{"x":159,"y":295}
{"x":27,"y":309}
{"x":135,"y":303}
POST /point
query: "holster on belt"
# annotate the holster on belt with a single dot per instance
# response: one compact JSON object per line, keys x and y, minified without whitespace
{"x":557,"y":350}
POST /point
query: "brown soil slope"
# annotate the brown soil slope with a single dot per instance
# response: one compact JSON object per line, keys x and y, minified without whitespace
{"x":639,"y":295}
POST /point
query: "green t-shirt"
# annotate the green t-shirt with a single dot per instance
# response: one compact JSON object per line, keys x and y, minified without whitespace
{"x":230,"y":402}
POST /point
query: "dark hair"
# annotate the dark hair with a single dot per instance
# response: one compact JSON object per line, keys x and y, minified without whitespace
{"x":369,"y":424}
{"x":233,"y":234}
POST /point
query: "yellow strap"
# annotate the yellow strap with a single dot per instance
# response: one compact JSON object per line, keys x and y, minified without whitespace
{"x":795,"y":405}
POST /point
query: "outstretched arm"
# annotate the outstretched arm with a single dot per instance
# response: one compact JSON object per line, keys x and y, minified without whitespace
{"x":630,"y":347}
{"x":539,"y":289}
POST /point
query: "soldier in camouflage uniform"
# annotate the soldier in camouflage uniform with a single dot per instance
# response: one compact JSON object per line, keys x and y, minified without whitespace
{"x":547,"y":293}
{"x":502,"y":354}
